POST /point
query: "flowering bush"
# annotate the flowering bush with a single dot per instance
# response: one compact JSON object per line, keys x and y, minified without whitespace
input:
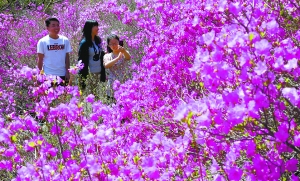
{"x":213,"y":96}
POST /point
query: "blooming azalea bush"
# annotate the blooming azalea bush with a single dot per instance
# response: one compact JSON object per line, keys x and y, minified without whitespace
{"x":213,"y":96}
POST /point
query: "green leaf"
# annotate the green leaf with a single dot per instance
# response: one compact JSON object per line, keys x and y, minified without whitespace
{"x":251,"y":36}
{"x":136,"y":159}
{"x":287,"y":80}
{"x":60,"y":167}
{"x":262,"y":34}
{"x":40,"y":142}
{"x":190,"y":115}
{"x":80,"y":104}
{"x":31,"y":144}
{"x":188,"y":121}
{"x":278,"y":86}
{"x":13,"y":138}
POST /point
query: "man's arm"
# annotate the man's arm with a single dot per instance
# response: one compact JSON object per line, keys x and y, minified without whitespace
{"x":40,"y":61}
{"x":67,"y":66}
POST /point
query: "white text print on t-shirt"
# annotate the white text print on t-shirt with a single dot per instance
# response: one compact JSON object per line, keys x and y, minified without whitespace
{"x":55,"y":47}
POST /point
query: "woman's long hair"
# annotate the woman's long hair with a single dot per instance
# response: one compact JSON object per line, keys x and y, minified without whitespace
{"x":110,"y":37}
{"x":87,"y":32}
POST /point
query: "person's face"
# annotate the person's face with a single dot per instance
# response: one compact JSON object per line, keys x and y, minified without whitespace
{"x":95,"y":30}
{"x":53,"y":27}
{"x":114,"y":44}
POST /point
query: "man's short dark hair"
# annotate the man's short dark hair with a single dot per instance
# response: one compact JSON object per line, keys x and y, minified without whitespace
{"x":48,"y":21}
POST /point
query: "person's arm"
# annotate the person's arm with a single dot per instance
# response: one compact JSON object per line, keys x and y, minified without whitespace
{"x":67,"y":62}
{"x":125,"y":53}
{"x":67,"y":59}
{"x":83,"y":55}
{"x":109,"y":63}
{"x":40,"y":61}
{"x":41,"y":54}
{"x":103,"y":72}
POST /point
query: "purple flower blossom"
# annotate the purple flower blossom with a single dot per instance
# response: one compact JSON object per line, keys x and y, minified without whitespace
{"x":195,"y":20}
{"x":55,"y":130}
{"x":86,"y":135}
{"x":282,"y":134}
{"x":209,"y":37}
{"x":260,"y":68}
{"x":113,"y":168}
{"x":6,"y":165}
{"x":272,"y":26}
{"x":181,"y":111}
{"x":297,"y":140}
{"x":66,"y":154}
{"x":291,"y":94}
{"x":74,"y":70}
{"x":4,"y":135}
{"x":235,"y":8}
{"x":9,"y":152}
{"x":235,"y":174}
{"x":40,"y":8}
{"x":292,"y":64}
{"x":291,"y":165}
{"x":294,"y":178}
{"x":90,"y":98}
{"x":278,"y":62}
{"x":263,"y":46}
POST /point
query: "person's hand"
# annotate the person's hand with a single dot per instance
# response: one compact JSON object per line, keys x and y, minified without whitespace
{"x":121,"y":49}
{"x":120,"y":56}
{"x":72,"y":77}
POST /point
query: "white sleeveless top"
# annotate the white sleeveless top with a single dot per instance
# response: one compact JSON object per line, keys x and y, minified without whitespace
{"x":94,"y":66}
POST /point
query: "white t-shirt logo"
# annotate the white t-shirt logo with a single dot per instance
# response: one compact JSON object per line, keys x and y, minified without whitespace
{"x":56,"y":47}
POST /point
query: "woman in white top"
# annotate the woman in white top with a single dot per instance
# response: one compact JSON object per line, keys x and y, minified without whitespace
{"x":115,"y":62}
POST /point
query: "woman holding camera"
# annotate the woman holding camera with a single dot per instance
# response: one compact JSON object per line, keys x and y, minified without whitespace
{"x":115,"y":61}
{"x":91,"y":53}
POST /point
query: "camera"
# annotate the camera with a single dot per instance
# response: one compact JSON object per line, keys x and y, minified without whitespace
{"x":96,"y":57}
